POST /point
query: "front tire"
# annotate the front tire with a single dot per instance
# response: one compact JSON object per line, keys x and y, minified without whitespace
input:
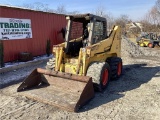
{"x":150,"y":45}
{"x":116,"y":67}
{"x":100,"y":73}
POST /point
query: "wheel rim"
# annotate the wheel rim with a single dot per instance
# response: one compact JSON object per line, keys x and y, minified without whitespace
{"x":142,"y":45}
{"x":119,"y":70}
{"x":105,"y":77}
{"x":150,"y":45}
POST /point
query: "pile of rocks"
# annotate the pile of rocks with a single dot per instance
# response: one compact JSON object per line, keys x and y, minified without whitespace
{"x":130,"y":49}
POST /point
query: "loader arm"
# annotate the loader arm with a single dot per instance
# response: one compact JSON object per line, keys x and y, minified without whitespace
{"x":112,"y":44}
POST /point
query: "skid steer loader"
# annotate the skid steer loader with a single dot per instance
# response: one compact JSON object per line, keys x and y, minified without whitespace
{"x":148,"y":40}
{"x":85,"y":62}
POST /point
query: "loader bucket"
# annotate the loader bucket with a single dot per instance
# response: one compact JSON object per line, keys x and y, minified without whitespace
{"x":66,"y":91}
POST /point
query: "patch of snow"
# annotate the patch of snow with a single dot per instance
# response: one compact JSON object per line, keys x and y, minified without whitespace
{"x":18,"y":75}
{"x":15,"y":63}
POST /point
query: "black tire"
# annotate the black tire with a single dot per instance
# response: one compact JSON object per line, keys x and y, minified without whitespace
{"x":116,"y":66}
{"x":51,"y":64}
{"x":100,"y":73}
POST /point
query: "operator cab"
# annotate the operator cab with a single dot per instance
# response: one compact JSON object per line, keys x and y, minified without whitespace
{"x":84,"y":30}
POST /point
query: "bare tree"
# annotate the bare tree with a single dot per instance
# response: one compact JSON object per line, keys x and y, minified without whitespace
{"x":151,"y":20}
{"x":38,"y":6}
{"x":154,"y":15}
{"x":158,"y":13}
{"x":122,"y":20}
{"x":45,"y":8}
{"x":110,"y":20}
{"x":51,"y":10}
{"x":158,"y":6}
{"x":73,"y":13}
{"x":101,"y":11}
{"x":149,"y":25}
{"x":28,"y":6}
{"x":61,"y":9}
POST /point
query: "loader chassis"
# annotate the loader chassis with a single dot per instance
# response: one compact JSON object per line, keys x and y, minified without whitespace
{"x":83,"y":63}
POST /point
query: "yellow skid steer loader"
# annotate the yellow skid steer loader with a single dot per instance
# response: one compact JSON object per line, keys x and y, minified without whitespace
{"x":85,"y":62}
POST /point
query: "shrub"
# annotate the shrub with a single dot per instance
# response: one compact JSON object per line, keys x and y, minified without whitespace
{"x":48,"y":47}
{"x":1,"y":54}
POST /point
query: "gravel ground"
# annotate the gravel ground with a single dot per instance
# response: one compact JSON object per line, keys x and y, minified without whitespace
{"x":134,"y":96}
{"x":17,"y":75}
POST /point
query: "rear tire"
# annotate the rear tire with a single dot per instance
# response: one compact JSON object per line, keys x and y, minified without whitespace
{"x":100,"y":73}
{"x":51,"y":64}
{"x":116,"y":67}
{"x":150,"y":45}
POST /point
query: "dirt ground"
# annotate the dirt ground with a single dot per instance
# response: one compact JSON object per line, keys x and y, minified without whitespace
{"x":134,"y":96}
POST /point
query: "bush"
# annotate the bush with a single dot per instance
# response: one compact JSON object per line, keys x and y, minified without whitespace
{"x":1,"y":54}
{"x":48,"y":47}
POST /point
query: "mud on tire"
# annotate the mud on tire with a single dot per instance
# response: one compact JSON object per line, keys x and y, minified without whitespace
{"x":116,"y":67}
{"x":100,"y":73}
{"x":50,"y":64}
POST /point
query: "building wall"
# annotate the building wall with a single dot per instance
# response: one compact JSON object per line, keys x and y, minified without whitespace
{"x":44,"y":26}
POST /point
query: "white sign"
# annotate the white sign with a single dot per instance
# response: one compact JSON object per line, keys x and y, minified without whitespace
{"x":13,"y":28}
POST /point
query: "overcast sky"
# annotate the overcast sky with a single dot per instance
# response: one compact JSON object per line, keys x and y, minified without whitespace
{"x":134,"y":8}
